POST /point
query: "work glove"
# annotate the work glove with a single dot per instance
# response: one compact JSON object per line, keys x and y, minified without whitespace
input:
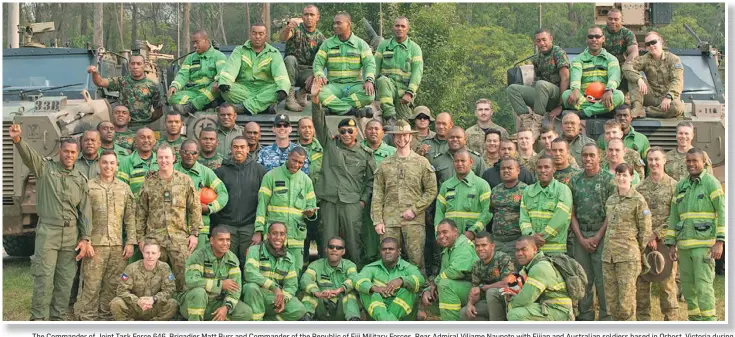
{"x":281,"y":95}
{"x":224,"y":88}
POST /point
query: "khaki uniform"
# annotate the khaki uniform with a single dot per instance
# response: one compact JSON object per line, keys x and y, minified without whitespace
{"x":576,"y":145}
{"x":90,"y":168}
{"x":113,"y":208}
{"x":169,"y":212}
{"x":628,"y":231}
{"x":526,"y":162}
{"x":225,"y":137}
{"x":633,"y":158}
{"x":663,"y":77}
{"x":137,"y":282}
{"x":676,"y":165}
{"x":476,"y":136}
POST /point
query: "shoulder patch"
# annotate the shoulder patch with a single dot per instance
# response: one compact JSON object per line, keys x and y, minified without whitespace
{"x":170,"y":277}
{"x":678,"y":66}
{"x":646,"y":212}
{"x":124,"y":277}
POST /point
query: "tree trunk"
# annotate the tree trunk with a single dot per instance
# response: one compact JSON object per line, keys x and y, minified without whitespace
{"x":222,"y":23}
{"x":134,"y":25}
{"x":187,"y":31}
{"x":84,"y":16}
{"x":107,"y":31}
{"x":120,"y":21}
{"x":247,"y":16}
{"x":266,"y":20}
{"x":200,"y":17}
{"x":97,"y":39}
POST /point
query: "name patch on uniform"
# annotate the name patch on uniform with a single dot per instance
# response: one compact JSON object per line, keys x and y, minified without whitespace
{"x":170,"y":277}
{"x":646,"y":212}
{"x":166,"y":196}
{"x":124,"y":277}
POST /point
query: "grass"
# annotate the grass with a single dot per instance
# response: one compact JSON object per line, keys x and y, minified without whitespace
{"x":17,"y":294}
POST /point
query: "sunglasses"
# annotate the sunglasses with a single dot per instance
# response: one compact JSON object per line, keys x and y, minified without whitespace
{"x":343,"y":131}
{"x":651,"y":43}
{"x":189,"y":153}
{"x":594,"y":36}
{"x":282,"y":125}
{"x":336,"y":247}
{"x":423,"y":117}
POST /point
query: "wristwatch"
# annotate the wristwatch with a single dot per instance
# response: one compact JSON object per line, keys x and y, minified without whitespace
{"x":669,"y":96}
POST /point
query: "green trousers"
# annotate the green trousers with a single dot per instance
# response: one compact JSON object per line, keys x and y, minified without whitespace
{"x":256,"y":98}
{"x":653,"y":101}
{"x":452,"y":297}
{"x":620,"y":288}
{"x":99,"y":280}
{"x":298,"y":254}
{"x":341,"y":97}
{"x":592,"y":264}
{"x":412,"y":239}
{"x":240,"y":239}
{"x":543,"y":96}
{"x":492,"y":308}
{"x":344,"y":220}
{"x":540,"y":312}
{"x":124,"y":310}
{"x":593,"y":109}
{"x":297,"y":73}
{"x":199,"y":96}
{"x":397,"y":308}
{"x":370,"y":238}
{"x":509,"y":248}
{"x":53,"y":266}
{"x":340,"y":308}
{"x":697,"y":268}
{"x":261,"y":302}
{"x":390,"y":93}
{"x":197,"y":306}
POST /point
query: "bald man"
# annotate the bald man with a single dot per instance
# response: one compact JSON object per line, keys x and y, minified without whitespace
{"x":437,"y":143}
{"x":192,"y":90}
{"x":252,"y":134}
{"x":571,"y":131}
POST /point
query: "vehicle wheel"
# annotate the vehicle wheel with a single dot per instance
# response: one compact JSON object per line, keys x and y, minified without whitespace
{"x":18,"y":245}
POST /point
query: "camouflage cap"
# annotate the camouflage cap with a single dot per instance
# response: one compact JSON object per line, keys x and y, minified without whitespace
{"x":421,"y":109}
{"x":402,"y":127}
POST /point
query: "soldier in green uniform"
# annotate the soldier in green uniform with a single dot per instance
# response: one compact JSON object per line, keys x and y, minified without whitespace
{"x":388,"y":287}
{"x":315,"y":153}
{"x":444,"y":162}
{"x":399,"y":64}
{"x":287,"y":196}
{"x":437,"y":144}
{"x":137,"y":165}
{"x":345,"y":182}
{"x":173,"y":136}
{"x":560,"y":152}
{"x":113,"y":208}
{"x":208,"y":144}
{"x":476,"y":133}
{"x":627,"y":234}
{"x":632,"y":139}
{"x":124,"y":136}
{"x":543,"y":296}
{"x":405,"y":186}
{"x":449,"y":291}
{"x":613,"y":129}
{"x":146,"y":290}
{"x":227,"y":130}
{"x":63,"y":225}
{"x":202,"y":176}
{"x":571,"y":131}
{"x":547,"y":136}
{"x":590,"y":191}
{"x":551,"y":66}
{"x":676,"y":159}
{"x":191,"y":90}
{"x":271,"y":279}
{"x":507,"y":151}
{"x":107,"y":139}
{"x":421,"y":120}
{"x":665,"y":76}
{"x":254,"y":77}
{"x":488,"y":276}
{"x":169,"y":212}
{"x":619,"y":41}
{"x":88,"y":162}
{"x":137,"y":92}
{"x":374,"y":140}
{"x":350,"y":69}
{"x":505,"y":206}
{"x":595,"y":64}
{"x":658,"y":190}
{"x":213,"y":280}
{"x":327,"y":284}
{"x":302,"y":43}
{"x":696,"y":234}
{"x":491,"y":148}
{"x":546,"y":210}
{"x":465,"y":198}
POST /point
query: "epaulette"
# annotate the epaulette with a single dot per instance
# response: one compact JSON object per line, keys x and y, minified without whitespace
{"x":366,"y":148}
{"x":474,"y":152}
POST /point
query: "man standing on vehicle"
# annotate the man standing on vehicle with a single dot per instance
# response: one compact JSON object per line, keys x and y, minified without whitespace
{"x":619,"y":41}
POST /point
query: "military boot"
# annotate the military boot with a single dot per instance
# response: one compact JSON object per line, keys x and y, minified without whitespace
{"x":241,"y":110}
{"x":291,"y":103}
{"x":532,"y":121}
{"x":638,"y":111}
{"x":185,"y":109}
{"x":301,"y":97}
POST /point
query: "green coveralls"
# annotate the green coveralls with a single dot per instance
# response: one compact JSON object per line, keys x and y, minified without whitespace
{"x":203,"y":176}
{"x":132,"y":170}
{"x":204,"y":275}
{"x":396,"y":308}
{"x":63,"y":219}
{"x":544,"y":295}
{"x":603,"y":67}
{"x":455,"y":278}
{"x":467,"y":202}
{"x":263,"y":274}
{"x":696,"y":221}
{"x":194,"y":80}
{"x":321,"y":276}
{"x":370,"y":238}
{"x":316,"y":153}
{"x":547,"y":210}
{"x":346,"y":63}
{"x":254,"y":77}
{"x":283,"y":197}
{"x":399,"y":67}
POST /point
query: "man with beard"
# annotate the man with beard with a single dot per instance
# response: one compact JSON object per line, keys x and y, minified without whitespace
{"x":488,"y":275}
{"x":208,"y":144}
{"x":327,"y":284}
{"x":276,"y":154}
{"x":107,"y":138}
{"x":90,"y":156}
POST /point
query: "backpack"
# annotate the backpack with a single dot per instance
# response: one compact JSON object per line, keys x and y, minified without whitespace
{"x":573,"y":274}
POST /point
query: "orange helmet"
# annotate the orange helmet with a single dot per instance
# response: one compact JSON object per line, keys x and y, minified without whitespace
{"x":207,"y":195}
{"x":594,"y":91}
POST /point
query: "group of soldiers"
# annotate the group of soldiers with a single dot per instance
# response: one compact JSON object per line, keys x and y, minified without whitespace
{"x":464,"y":224}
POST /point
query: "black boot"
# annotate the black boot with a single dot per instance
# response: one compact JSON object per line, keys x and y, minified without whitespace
{"x":185,"y":109}
{"x":307,"y":317}
{"x":241,"y":110}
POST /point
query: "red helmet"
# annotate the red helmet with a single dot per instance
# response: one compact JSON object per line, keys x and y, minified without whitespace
{"x":207,"y":195}
{"x":594,"y":91}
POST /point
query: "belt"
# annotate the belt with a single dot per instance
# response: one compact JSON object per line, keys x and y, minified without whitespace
{"x":58,"y":222}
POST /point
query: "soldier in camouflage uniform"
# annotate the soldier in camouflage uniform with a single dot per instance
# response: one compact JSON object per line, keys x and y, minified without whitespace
{"x":124,"y":137}
{"x":676,"y":159}
{"x":560,"y":152}
{"x":107,"y":139}
{"x":619,"y":41}
{"x":405,"y":185}
{"x":315,"y":152}
{"x":113,"y":207}
{"x":476,"y":133}
{"x":173,"y":136}
{"x":381,"y":150}
{"x":146,"y":289}
{"x":169,"y":212}
{"x":302,"y":43}
{"x":89,"y":157}
{"x":590,"y":191}
{"x":614,"y":157}
{"x":137,"y":92}
{"x":631,"y":138}
{"x":227,"y":130}
{"x":547,"y":138}
{"x":551,"y":66}
{"x":505,"y":205}
{"x":276,"y":154}
{"x":488,"y":276}
{"x":613,"y":129}
{"x":665,"y":76}
{"x":208,"y":143}
{"x":526,"y":139}
{"x":628,"y":232}
{"x":658,"y":190}
{"x":491,"y":146}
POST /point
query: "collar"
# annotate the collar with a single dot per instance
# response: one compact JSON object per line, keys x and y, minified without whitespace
{"x":586,"y":56}
{"x":393,"y":42}
{"x":275,"y":147}
{"x":339,"y":267}
{"x":460,"y":241}
{"x":266,"y":48}
{"x":551,"y":50}
{"x":215,"y":155}
{"x":234,"y":128}
{"x":352,"y":40}
{"x":136,"y":157}
{"x":196,"y":169}
{"x":536,"y":188}
{"x":468,"y":180}
{"x":208,"y":52}
{"x":314,"y":145}
{"x":629,"y":194}
{"x":399,"y":264}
